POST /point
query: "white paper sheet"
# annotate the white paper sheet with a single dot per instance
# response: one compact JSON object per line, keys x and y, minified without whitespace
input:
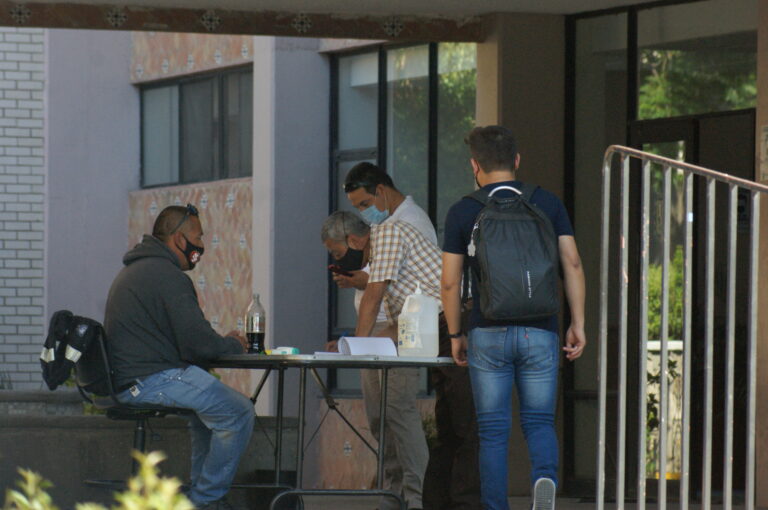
{"x":367,"y":345}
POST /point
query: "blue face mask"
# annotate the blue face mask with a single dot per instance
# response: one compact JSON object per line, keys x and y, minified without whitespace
{"x":373,"y":216}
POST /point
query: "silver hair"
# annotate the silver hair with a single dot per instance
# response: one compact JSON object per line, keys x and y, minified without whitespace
{"x":342,"y":223}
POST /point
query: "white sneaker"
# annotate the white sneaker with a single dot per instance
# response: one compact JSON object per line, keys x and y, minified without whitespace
{"x":544,"y":494}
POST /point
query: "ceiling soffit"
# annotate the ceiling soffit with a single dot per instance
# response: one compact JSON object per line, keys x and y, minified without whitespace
{"x":220,"y":21}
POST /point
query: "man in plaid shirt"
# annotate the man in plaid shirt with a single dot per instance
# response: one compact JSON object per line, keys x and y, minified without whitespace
{"x":451,"y":478}
{"x":400,"y":258}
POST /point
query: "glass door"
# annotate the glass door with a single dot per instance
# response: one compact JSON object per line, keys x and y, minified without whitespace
{"x":723,"y":142}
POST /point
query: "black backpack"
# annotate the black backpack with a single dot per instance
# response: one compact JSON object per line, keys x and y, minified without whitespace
{"x":516,"y":257}
{"x":74,"y":342}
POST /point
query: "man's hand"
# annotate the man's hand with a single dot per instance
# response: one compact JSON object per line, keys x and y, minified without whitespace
{"x":459,"y":350}
{"x":575,"y":341}
{"x":239,"y":337}
{"x":332,"y":346}
{"x":358,"y":280}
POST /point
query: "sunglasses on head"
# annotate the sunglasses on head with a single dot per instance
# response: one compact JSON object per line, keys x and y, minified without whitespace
{"x":191,"y":211}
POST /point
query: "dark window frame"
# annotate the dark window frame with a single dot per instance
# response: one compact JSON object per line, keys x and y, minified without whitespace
{"x":571,"y":484}
{"x":379,"y":153}
{"x":219,"y":77}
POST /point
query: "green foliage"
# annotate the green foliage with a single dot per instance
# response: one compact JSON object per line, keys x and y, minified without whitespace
{"x":149,"y":491}
{"x":674,"y":82}
{"x":675,"y":330}
{"x":676,"y":282}
{"x":408,"y":102}
{"x":652,"y":404}
{"x":32,"y":494}
{"x":146,"y":491}
{"x":456,"y":111}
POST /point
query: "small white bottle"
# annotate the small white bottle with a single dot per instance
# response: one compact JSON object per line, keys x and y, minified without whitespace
{"x":417,"y":326}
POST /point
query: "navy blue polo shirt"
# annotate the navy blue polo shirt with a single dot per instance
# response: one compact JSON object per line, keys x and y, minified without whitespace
{"x":458,"y":231}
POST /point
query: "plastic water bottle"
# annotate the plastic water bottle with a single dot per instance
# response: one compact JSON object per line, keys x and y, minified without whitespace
{"x":255,"y":326}
{"x":417,"y":333}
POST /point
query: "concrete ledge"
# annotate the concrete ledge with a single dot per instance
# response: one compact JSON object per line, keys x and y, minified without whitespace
{"x":70,"y":449}
{"x":63,"y":401}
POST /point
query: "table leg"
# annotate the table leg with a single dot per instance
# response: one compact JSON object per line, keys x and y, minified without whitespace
{"x":382,"y":422}
{"x":300,"y":446}
{"x":263,"y":380}
{"x":335,"y":408}
{"x":279,"y":438}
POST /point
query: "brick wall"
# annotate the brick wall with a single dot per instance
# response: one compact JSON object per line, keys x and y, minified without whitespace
{"x":22,"y":192}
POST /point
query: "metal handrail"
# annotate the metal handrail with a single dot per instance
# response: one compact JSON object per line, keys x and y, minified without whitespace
{"x":682,"y":165}
{"x":711,"y":178}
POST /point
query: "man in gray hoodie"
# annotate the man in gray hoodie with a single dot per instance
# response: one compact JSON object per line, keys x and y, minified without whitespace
{"x":157,"y":338}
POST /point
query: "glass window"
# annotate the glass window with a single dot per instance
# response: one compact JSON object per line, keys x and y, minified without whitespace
{"x":697,"y":58}
{"x":160,"y":135}
{"x":198,"y":129}
{"x":405,"y":133}
{"x":457,"y":77}
{"x":238,"y":124}
{"x":600,"y":119}
{"x":692,"y":59}
{"x":408,"y":120}
{"x":358,"y":94}
{"x":199,"y":136}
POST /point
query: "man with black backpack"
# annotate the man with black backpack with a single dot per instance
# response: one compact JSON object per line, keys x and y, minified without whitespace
{"x":516,"y":239}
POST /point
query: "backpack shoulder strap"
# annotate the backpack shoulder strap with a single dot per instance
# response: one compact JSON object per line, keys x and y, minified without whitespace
{"x":480,"y":195}
{"x":528,"y":190}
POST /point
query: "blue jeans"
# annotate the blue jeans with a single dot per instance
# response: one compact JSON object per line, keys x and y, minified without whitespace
{"x":500,"y":358}
{"x":220,"y":429}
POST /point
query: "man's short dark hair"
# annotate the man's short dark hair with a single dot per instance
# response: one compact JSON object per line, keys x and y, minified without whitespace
{"x":493,"y":147}
{"x":366,"y":175}
{"x":170,"y":220}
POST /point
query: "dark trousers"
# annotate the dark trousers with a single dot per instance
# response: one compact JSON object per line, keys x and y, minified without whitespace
{"x":452,"y":479}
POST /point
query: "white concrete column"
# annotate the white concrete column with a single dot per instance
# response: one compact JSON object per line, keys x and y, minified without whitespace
{"x":264,"y":196}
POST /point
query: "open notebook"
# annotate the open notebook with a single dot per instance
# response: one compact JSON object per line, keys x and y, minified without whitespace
{"x":365,"y":346}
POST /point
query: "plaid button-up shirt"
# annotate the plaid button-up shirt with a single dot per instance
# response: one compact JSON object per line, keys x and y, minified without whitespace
{"x":401,"y":255}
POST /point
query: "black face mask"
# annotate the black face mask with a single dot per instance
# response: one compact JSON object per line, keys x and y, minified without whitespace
{"x":192,"y":253}
{"x":352,"y":260}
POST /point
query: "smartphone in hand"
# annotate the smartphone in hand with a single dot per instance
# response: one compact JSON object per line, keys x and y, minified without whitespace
{"x":338,"y":270}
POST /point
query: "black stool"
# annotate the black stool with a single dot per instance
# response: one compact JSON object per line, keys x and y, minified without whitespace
{"x":93,"y":375}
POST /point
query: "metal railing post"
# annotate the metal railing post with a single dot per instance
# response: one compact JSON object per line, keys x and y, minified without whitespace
{"x":733,"y":202}
{"x":645,"y":247}
{"x":709,"y":278}
{"x":709,"y":231}
{"x":664,"y":330}
{"x":687,"y":346}
{"x":754,"y":253}
{"x":603,"y":333}
{"x":623,"y":293}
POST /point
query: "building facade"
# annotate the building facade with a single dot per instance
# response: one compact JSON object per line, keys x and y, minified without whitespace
{"x":101,"y":130}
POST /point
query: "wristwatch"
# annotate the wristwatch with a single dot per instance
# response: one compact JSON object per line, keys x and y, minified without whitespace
{"x":455,"y":335}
